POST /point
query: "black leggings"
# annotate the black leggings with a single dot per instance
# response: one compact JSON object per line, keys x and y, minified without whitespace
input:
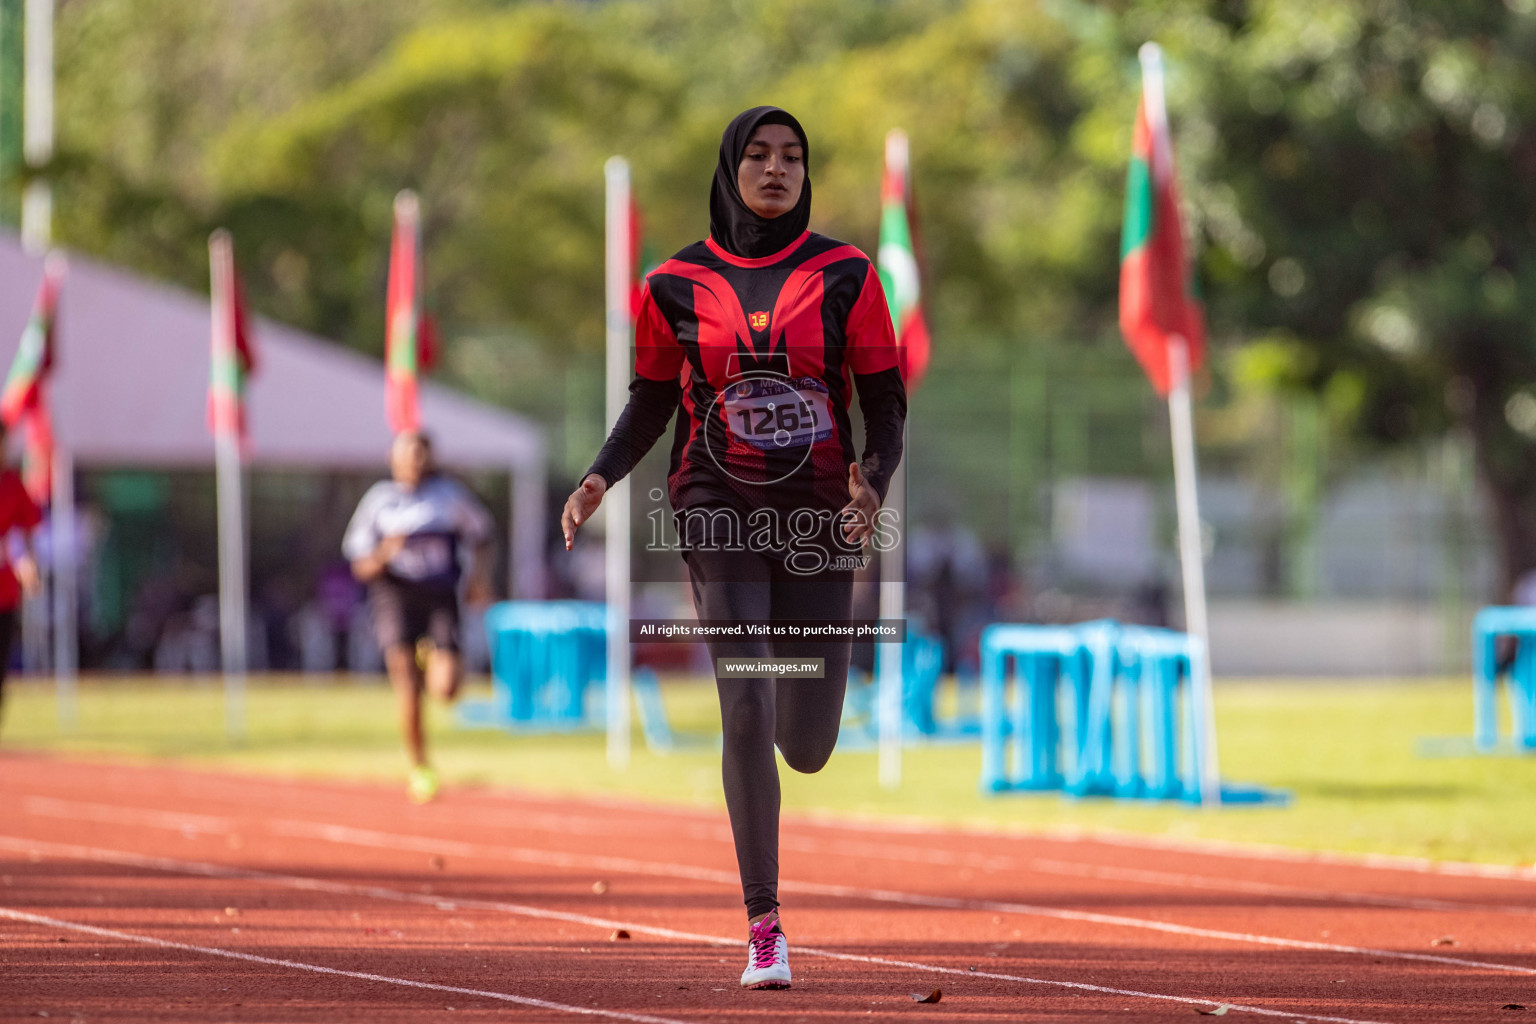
{"x":7,"y":633}
{"x":800,"y":715}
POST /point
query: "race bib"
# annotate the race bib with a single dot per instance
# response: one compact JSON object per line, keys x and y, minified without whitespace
{"x":424,"y":557}
{"x":774,"y":414}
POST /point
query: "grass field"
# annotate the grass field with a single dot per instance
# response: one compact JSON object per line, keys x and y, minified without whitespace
{"x":1345,"y":749}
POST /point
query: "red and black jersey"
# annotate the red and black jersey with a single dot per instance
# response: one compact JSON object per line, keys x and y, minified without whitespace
{"x":763,"y":355}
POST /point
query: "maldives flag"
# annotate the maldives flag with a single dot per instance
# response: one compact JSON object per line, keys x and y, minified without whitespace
{"x":233,"y":356}
{"x":34,"y":356}
{"x":24,"y":397}
{"x":410,"y":348}
{"x":898,"y":261}
{"x":1157,"y":300}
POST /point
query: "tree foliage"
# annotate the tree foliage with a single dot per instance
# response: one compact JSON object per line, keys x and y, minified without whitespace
{"x":1359,"y":173}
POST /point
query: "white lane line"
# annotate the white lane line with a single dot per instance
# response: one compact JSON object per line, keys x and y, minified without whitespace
{"x":886,"y":825}
{"x":197,"y":868}
{"x":195,"y":823}
{"x":298,"y":965}
{"x":370,"y":838}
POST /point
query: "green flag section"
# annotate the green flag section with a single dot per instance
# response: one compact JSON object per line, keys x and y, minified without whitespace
{"x":1157,"y":300}
{"x":897,"y":259}
{"x":233,"y":358}
{"x":411,"y":343}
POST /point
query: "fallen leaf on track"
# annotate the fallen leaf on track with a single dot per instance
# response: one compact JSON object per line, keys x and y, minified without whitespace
{"x":618,"y":933}
{"x":599,"y":887}
{"x":1513,"y":1006}
{"x":1444,"y":940}
{"x":931,"y":997}
{"x":1220,"y":1011}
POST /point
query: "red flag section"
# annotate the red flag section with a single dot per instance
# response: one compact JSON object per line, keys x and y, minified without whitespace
{"x":233,"y":356}
{"x":1157,"y":300}
{"x":411,"y":342}
{"x":37,"y":451}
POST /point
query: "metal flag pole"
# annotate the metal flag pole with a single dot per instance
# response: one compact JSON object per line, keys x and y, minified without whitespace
{"x":36,"y":236}
{"x":888,"y":666}
{"x":62,"y":543}
{"x":37,"y":124}
{"x":616,"y":502}
{"x":1185,"y":486}
{"x":892,"y":606}
{"x":1192,"y":561}
{"x":230,"y":484}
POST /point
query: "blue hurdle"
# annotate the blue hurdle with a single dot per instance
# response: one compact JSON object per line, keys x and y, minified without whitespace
{"x":922,"y":665}
{"x":549,"y":661}
{"x":546,"y":657}
{"x":1518,"y":623}
{"x":1097,"y":709}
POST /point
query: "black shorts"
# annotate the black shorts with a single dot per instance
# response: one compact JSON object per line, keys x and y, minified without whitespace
{"x":404,"y":613}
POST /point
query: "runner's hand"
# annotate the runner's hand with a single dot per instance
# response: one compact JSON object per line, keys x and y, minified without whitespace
{"x":27,"y":574}
{"x":580,"y":506}
{"x":858,"y":516}
{"x":388,"y":548}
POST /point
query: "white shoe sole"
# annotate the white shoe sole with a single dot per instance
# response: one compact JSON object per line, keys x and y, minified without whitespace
{"x":766,"y":983}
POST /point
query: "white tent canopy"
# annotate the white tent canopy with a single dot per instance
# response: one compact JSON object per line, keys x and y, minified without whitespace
{"x":130,"y":388}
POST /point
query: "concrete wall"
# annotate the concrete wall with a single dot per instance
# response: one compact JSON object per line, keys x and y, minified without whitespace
{"x":1338,"y":638}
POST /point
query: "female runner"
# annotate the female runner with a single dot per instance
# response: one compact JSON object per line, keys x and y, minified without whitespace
{"x":761,"y":331}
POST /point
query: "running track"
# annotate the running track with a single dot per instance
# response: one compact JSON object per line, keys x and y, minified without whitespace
{"x":132,"y":892}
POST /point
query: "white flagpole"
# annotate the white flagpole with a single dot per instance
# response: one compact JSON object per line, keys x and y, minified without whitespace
{"x":888,"y":657}
{"x":888,"y":660}
{"x":616,"y":509}
{"x":36,"y":236}
{"x":1192,"y":561}
{"x":229,"y":476}
{"x":61,"y":519}
{"x":1185,"y":485}
{"x":37,"y":123}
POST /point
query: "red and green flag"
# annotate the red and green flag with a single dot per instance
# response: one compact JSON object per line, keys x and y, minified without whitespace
{"x":1157,"y":297}
{"x":34,"y":356}
{"x":24,"y":397}
{"x":233,"y":355}
{"x":411,"y":341}
{"x":899,"y":273}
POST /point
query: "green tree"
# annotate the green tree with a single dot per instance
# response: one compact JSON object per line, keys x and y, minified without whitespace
{"x":1363,"y":180}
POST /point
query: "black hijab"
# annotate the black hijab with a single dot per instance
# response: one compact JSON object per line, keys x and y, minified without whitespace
{"x":733,"y":226}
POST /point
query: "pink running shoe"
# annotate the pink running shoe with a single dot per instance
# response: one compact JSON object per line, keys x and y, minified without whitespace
{"x":767,"y":955}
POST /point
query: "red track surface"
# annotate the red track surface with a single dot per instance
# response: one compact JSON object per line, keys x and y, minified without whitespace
{"x":148,"y":893}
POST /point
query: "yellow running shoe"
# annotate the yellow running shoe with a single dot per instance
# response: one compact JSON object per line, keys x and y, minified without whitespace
{"x":422,"y":786}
